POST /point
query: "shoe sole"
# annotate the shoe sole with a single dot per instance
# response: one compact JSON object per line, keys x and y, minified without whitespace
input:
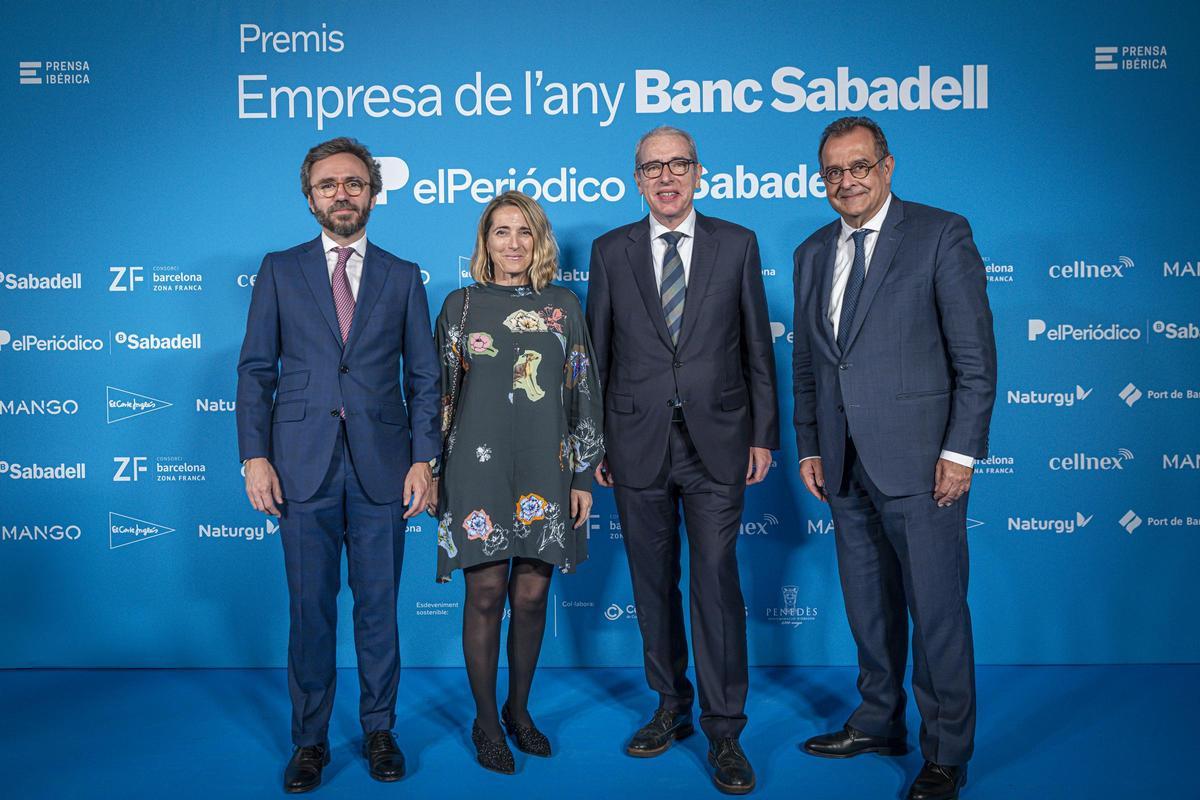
{"x":883,"y":751}
{"x":726,"y":788}
{"x":385,"y":778}
{"x":494,"y":769}
{"x":679,"y":734}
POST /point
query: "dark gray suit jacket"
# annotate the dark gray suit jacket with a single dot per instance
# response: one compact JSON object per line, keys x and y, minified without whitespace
{"x":724,"y":368}
{"x":919,"y":371}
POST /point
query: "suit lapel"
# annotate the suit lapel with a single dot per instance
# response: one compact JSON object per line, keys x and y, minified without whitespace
{"x":641,"y":263}
{"x":881,"y":261}
{"x":316,"y":274}
{"x":704,"y":258}
{"x":370,"y":285}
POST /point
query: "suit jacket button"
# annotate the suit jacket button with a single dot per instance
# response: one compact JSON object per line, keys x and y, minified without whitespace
{"x":333,"y":413}
{"x":843,"y":366}
{"x":677,"y":364}
{"x":343,"y":369}
{"x":840,"y":409}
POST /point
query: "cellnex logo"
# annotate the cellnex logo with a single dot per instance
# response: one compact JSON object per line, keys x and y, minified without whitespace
{"x":1036,"y":524}
{"x":791,"y":614}
{"x":124,"y":531}
{"x":1019,"y":397}
{"x":43,"y":472}
{"x":56,"y":343}
{"x":758,"y":528}
{"x":1094,"y":332}
{"x":138,"y":341}
{"x":40,"y":533}
{"x":249,"y":533}
{"x":31,"y":408}
{"x":122,"y":404}
{"x":1081,"y":269}
{"x":32,"y":283}
{"x":1080,"y":462}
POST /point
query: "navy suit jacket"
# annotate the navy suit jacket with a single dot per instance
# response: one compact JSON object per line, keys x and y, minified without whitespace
{"x":723,"y":368}
{"x":918,"y":375}
{"x":294,"y":373}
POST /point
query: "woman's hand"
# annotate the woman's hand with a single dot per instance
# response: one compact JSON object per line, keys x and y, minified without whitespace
{"x":581,"y":506}
{"x":432,"y":501}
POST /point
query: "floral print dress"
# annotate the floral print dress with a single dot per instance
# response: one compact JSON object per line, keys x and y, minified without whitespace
{"x":527,"y":429}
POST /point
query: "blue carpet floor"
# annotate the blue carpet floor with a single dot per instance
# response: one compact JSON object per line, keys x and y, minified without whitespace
{"x":1044,"y":732}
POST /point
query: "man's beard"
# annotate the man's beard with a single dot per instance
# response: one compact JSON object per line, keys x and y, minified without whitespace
{"x":347,"y":227}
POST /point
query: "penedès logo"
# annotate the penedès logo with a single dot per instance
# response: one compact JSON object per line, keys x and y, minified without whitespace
{"x":246,"y":533}
{"x":52,"y":532}
{"x":791,"y":613}
{"x":124,"y":530}
{"x":122,"y":404}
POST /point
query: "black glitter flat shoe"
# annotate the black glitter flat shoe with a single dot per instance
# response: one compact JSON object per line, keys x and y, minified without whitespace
{"x":492,"y":755}
{"x":528,"y":738}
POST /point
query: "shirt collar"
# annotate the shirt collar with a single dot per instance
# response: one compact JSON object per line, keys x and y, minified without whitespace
{"x":360,"y":246}
{"x":875,"y":223}
{"x":687,"y":227}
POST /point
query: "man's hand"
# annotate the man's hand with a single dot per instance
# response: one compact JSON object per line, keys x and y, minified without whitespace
{"x":603,"y":476}
{"x":760,"y":463}
{"x":951,"y":481}
{"x":416,"y":488}
{"x":812,"y":472}
{"x":262,"y":486}
{"x":581,"y":506}
{"x":432,"y":501}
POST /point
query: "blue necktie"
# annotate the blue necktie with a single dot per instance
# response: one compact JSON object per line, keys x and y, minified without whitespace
{"x":672,"y":288}
{"x":858,"y":276}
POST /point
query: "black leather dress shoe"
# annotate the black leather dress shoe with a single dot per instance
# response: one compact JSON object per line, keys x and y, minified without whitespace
{"x":938,"y":782}
{"x":303,"y":771}
{"x":384,"y":758}
{"x":528,"y":738}
{"x":656,"y":736}
{"x":850,"y":742}
{"x":732,"y":773}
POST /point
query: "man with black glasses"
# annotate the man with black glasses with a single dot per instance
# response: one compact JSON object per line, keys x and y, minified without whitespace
{"x":333,"y":447}
{"x":679,"y":321}
{"x":894,"y":367}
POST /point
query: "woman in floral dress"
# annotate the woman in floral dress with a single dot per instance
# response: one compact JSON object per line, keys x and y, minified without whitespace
{"x":524,"y":436}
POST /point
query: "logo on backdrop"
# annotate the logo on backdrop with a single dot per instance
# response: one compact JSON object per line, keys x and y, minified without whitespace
{"x":616,"y":611}
{"x":1131,"y":521}
{"x":1090,"y":332}
{"x":763,"y":528}
{"x":1131,"y":394}
{"x":1082,"y":270}
{"x":1049,"y":525}
{"x":998,"y":273}
{"x":28,"y":282}
{"x":159,"y":469}
{"x":122,"y":404}
{"x":43,"y":472}
{"x":1058,"y":399}
{"x":124,"y":530}
{"x":55,"y":343}
{"x":54,"y":532}
{"x":791,"y":614}
{"x":996,"y":465}
{"x":248,"y":533}
{"x":1131,"y":57}
{"x":214,"y":405}
{"x":152,"y":341}
{"x":1181,"y":269}
{"x":1081,"y":462}
{"x":54,"y":73}
{"x":162,"y":278}
{"x":1181,"y":461}
{"x":36,"y":408}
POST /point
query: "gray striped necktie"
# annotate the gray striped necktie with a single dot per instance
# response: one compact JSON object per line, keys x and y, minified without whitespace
{"x":672,"y":288}
{"x":858,"y":276}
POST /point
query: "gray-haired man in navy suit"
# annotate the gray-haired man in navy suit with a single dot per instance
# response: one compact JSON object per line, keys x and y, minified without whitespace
{"x":894,"y":369}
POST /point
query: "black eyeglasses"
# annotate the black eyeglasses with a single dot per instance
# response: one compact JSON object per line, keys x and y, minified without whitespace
{"x":353,"y":186}
{"x":678,"y":166}
{"x":859,"y":170}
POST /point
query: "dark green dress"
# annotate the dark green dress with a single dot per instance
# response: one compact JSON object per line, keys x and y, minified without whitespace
{"x":526,"y":432}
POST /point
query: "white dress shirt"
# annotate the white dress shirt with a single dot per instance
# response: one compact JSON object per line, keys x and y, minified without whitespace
{"x":353,"y":266}
{"x":842,"y":262}
{"x":658,"y":246}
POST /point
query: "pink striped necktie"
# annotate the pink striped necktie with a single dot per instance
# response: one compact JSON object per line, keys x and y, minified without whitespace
{"x":343,"y":300}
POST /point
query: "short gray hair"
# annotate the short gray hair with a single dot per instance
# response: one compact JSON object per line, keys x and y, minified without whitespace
{"x":342,"y":144}
{"x":842,"y":126}
{"x":664,"y":130}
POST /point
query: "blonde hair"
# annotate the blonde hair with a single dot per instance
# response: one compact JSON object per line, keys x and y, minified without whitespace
{"x":544,"y":266}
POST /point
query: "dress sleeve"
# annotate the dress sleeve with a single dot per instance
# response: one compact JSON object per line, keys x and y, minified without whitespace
{"x":446,"y":337}
{"x":583,"y":400}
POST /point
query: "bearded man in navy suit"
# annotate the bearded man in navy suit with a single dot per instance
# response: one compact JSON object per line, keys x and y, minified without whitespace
{"x":894,"y":378}
{"x":335,"y":448}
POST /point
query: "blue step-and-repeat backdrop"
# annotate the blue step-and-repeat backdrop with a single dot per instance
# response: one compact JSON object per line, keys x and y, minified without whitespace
{"x":152,"y":156}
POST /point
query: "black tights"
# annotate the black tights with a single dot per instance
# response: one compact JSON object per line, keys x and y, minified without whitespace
{"x":526,"y":588}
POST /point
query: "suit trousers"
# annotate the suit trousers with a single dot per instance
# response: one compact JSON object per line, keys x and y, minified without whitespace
{"x":712,"y":512}
{"x":901,"y":556}
{"x":313,"y":533}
